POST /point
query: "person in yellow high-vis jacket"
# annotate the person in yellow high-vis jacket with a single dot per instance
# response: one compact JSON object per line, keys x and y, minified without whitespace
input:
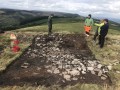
{"x":98,"y":28}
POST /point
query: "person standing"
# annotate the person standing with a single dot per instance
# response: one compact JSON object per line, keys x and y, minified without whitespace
{"x":101,"y":23}
{"x":103,"y":33}
{"x":50,"y":24}
{"x":88,"y":25}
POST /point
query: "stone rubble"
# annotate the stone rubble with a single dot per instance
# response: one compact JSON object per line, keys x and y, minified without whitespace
{"x":63,"y":62}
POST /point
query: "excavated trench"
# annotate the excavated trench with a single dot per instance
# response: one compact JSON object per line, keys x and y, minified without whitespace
{"x":56,"y":60}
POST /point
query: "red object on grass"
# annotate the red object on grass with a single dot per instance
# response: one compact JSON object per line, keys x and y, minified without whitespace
{"x":16,"y":42}
{"x":15,"y":48}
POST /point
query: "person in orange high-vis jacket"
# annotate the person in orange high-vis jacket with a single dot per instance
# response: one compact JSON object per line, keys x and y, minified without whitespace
{"x":88,"y":24}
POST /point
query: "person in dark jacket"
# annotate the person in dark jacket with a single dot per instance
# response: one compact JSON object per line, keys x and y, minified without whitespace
{"x":103,"y":33}
{"x":50,"y":24}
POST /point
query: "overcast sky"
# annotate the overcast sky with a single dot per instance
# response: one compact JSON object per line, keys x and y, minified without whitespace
{"x":98,"y":8}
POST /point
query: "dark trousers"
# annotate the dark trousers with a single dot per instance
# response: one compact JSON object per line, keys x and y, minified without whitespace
{"x":96,"y":34}
{"x":49,"y":28}
{"x":101,"y":40}
{"x":87,"y":33}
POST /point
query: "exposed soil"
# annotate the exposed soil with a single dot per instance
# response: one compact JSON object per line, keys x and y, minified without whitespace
{"x":54,"y":60}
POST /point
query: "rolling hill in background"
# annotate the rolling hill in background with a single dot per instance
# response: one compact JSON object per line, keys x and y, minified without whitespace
{"x":12,"y":19}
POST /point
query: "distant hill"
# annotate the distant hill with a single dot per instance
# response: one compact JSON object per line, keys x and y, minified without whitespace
{"x":11,"y":19}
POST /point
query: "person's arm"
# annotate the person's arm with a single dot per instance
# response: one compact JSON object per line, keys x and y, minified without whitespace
{"x":99,"y":25}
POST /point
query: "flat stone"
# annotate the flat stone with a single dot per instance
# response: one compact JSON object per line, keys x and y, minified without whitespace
{"x":109,"y":67}
{"x":103,"y":78}
{"x":57,"y":49}
{"x":92,"y":72}
{"x":84,"y":68}
{"x":74,"y":72}
{"x":99,"y":66}
{"x":74,"y":78}
{"x":67,"y":66}
{"x":105,"y":70}
{"x":56,"y":71}
{"x":96,"y":69}
{"x":35,"y":73}
{"x":38,"y":68}
{"x":118,"y":72}
{"x":79,"y":68}
{"x":50,"y":71}
{"x":100,"y":73}
{"x":83,"y":72}
{"x":65,"y":72}
{"x":26,"y":63}
{"x":24,"y":66}
{"x":38,"y":44}
{"x":67,"y":77}
{"x":38,"y":38}
{"x":90,"y":68}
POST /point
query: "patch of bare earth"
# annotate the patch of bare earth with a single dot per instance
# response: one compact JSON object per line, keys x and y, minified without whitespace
{"x":56,"y":60}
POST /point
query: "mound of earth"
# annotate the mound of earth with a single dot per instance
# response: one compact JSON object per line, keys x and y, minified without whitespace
{"x":56,"y":60}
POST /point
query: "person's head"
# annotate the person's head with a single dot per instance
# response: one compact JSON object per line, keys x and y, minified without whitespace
{"x":51,"y":15}
{"x":89,"y":16}
{"x":105,"y":21}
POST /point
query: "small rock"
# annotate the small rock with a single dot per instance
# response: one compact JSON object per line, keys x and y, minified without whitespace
{"x":99,"y":66}
{"x":38,"y":44}
{"x":67,"y":77}
{"x":60,"y":74}
{"x":63,"y":81}
{"x":24,"y":66}
{"x":84,"y":68}
{"x":100,"y":73}
{"x":90,"y":68}
{"x":83,"y":72}
{"x":92,"y":72}
{"x":105,"y":70}
{"x":109,"y":67}
{"x":38,"y":38}
{"x":38,"y":68}
{"x":118,"y":72}
{"x":35,"y":73}
{"x":103,"y":78}
{"x":74,"y":78}
{"x":79,"y":68}
{"x":50,"y":71}
{"x":96,"y":69}
{"x":57,"y":49}
{"x":65,"y":72}
{"x":74,"y":72}
{"x":56,"y":71}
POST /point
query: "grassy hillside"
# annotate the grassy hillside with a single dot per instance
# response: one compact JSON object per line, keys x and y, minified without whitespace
{"x":13,"y":19}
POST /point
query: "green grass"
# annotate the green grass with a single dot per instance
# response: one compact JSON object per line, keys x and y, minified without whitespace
{"x":107,"y":55}
{"x":62,"y":27}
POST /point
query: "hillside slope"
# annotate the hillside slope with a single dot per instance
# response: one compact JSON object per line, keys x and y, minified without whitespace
{"x":11,"y":19}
